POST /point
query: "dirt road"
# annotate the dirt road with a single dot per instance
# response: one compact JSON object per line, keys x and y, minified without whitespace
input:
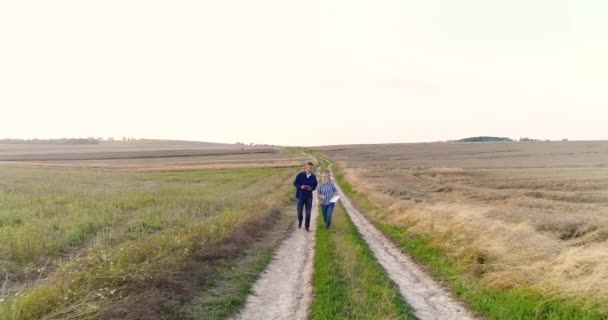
{"x":428,"y":299}
{"x":284,"y":290}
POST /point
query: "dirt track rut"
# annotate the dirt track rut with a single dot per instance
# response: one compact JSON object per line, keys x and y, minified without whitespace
{"x":429,"y":300}
{"x":284,"y":290}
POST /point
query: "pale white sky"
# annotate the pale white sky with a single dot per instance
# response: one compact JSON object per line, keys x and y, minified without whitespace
{"x":304,"y":72}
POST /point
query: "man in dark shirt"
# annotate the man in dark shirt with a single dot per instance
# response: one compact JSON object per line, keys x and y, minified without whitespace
{"x":305,"y":184}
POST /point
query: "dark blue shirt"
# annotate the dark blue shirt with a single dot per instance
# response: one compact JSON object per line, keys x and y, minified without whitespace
{"x":302,"y":180}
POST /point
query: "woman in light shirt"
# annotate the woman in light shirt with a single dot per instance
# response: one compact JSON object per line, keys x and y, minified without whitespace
{"x":327,"y":190}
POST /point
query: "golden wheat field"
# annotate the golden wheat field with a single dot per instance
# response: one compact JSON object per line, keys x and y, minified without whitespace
{"x":531,"y":214}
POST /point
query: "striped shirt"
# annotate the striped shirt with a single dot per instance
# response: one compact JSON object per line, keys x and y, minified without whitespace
{"x":327,"y":191}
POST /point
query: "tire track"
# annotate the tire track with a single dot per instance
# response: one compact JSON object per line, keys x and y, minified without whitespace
{"x":429,"y":299}
{"x":284,"y":290}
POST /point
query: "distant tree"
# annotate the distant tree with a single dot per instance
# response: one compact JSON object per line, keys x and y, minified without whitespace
{"x":89,"y":140}
{"x":528,"y":139}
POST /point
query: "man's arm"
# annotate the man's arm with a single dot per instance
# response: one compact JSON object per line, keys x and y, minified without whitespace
{"x":314,"y":183}
{"x":297,"y":183}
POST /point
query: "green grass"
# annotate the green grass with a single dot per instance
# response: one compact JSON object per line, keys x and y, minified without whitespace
{"x":107,"y":236}
{"x":230,"y":289}
{"x":517,"y":303}
{"x":227,"y":292}
{"x":348,"y":283}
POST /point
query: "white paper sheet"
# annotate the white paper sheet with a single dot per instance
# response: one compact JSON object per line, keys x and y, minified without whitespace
{"x":335,"y":199}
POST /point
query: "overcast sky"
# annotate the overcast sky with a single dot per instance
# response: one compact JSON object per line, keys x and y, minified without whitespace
{"x":304,"y":72}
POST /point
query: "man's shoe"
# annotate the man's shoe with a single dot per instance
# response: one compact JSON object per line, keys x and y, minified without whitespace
{"x":307,"y":230}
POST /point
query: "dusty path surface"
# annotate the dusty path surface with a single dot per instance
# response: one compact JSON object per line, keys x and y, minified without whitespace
{"x":428,"y":299}
{"x":284,"y":290}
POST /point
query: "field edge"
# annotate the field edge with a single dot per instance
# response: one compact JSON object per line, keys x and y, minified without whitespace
{"x":521,"y":303}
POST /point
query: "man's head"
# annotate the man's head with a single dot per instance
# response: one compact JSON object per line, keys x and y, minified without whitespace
{"x":308,"y":168}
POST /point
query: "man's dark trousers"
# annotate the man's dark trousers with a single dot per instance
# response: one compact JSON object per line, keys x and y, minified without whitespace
{"x":301,"y":204}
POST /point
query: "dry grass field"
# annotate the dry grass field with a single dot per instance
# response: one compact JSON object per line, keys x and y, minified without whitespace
{"x":146,"y":155}
{"x":30,"y":149}
{"x":512,"y":215}
{"x":149,"y":230}
{"x":136,"y":238}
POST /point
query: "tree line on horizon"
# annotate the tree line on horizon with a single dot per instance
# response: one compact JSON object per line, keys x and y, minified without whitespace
{"x":89,"y":140}
{"x":497,"y":139}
